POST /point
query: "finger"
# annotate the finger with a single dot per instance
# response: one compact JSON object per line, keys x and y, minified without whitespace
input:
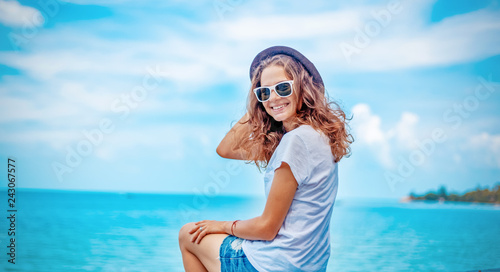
{"x":200,"y":222}
{"x":195,"y":236}
{"x":194,"y":229}
{"x":197,"y":232}
{"x":200,"y":236}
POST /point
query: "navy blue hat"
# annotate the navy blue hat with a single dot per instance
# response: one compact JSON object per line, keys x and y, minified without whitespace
{"x":284,"y":50}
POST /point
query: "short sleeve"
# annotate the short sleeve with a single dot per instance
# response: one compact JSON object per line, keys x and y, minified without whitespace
{"x":293,"y":151}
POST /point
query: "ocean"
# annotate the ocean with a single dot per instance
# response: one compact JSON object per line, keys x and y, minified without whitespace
{"x":91,"y":231}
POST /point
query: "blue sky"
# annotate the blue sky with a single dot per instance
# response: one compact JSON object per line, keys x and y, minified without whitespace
{"x":135,"y":96}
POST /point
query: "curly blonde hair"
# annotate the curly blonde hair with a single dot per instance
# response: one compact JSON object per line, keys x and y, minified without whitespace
{"x":264,"y":134}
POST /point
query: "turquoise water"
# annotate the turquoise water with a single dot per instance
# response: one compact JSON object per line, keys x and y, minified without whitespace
{"x":77,"y":231}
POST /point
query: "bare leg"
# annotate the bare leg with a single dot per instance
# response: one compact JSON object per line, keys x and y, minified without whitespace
{"x":203,"y":256}
{"x":191,"y":262}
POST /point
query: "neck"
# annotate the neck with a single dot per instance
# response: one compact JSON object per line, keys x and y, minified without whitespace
{"x":287,"y":125}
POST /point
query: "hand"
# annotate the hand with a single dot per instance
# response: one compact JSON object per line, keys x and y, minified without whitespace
{"x":206,"y":227}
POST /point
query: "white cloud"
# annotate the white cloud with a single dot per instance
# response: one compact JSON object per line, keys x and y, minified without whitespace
{"x":14,"y":14}
{"x":167,"y":142}
{"x":88,"y":59}
{"x":57,"y":139}
{"x":458,"y":39}
{"x":486,"y":148}
{"x":367,"y":128}
{"x":404,"y":132}
{"x":286,"y":27}
{"x":367,"y":125}
{"x":97,"y":2}
{"x":15,"y":109}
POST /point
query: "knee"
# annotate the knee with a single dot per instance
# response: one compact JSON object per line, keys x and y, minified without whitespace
{"x":184,"y":236}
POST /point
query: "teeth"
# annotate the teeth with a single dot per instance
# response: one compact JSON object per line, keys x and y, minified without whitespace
{"x":277,"y":108}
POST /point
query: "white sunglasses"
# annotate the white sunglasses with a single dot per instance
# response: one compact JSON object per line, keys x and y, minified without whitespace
{"x":282,"y":89}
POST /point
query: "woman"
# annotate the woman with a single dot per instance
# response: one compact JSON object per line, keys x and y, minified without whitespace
{"x":291,"y":130}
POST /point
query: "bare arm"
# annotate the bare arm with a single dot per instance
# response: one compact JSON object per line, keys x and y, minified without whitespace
{"x":225,"y":148}
{"x":266,"y":226}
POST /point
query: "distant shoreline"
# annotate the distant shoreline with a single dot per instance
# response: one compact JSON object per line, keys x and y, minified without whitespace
{"x":406,"y":199}
{"x":483,"y":196}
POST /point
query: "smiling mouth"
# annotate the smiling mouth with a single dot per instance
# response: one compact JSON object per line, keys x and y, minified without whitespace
{"x":280,"y":107}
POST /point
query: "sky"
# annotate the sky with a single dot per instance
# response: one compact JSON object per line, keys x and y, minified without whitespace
{"x":134,"y":96}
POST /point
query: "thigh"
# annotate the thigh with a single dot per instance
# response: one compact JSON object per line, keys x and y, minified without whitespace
{"x":207,"y":251}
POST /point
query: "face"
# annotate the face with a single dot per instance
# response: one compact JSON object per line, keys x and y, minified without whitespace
{"x":282,"y":109}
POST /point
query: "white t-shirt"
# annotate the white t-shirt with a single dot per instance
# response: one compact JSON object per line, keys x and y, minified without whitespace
{"x":303,"y":242}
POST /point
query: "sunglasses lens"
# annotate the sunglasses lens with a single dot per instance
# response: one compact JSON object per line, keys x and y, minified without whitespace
{"x":263,"y":94}
{"x":284,"y":89}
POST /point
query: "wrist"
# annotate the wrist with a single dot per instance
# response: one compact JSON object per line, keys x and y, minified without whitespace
{"x":233,"y":226}
{"x":227,"y":226}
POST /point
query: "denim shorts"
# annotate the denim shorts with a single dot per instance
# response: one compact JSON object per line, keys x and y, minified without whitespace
{"x":232,"y":257}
